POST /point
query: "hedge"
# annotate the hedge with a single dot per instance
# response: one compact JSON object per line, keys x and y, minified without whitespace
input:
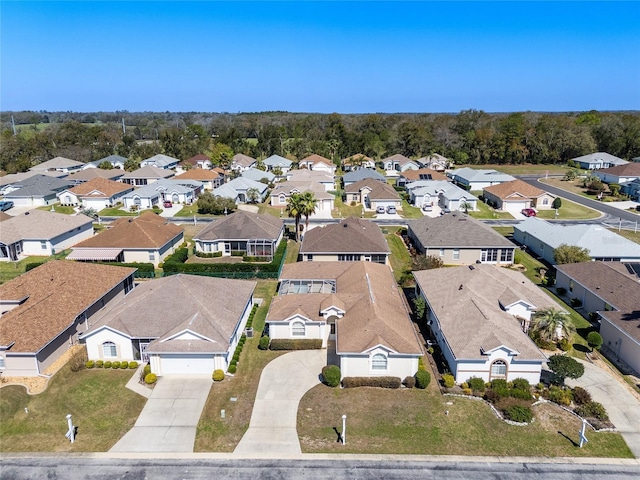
{"x":380,"y":382}
{"x":264,"y":343}
{"x":32,"y":265}
{"x":423,"y":378}
{"x":208,"y":255}
{"x":179,"y":256}
{"x":593,"y":410}
{"x":517,"y":413}
{"x":296,"y":344}
{"x":331,"y":375}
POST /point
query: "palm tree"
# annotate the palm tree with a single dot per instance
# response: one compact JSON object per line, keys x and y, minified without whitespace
{"x":253,"y":194}
{"x":309,"y":205}
{"x":295,"y":209}
{"x":465,"y":206}
{"x":551,"y":324}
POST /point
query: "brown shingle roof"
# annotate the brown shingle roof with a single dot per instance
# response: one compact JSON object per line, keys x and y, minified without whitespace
{"x":315,"y":158}
{"x":379,"y":190}
{"x":201,"y":174}
{"x":424,"y":174}
{"x":352,"y":235}
{"x":196,"y":158}
{"x":57,"y":292}
{"x":506,"y":189}
{"x":146,"y":231}
{"x":244,"y":160}
{"x":626,"y":170}
{"x":106,"y":187}
{"x":357,"y":157}
{"x":90,"y":173}
{"x":242,"y":225}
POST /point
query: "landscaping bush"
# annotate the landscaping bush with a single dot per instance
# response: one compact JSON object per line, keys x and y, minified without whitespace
{"x":380,"y":382}
{"x":264,"y":343}
{"x":124,"y":365}
{"x":32,"y":265}
{"x":294,"y":344}
{"x":476,"y":384}
{"x":518,"y":413}
{"x":179,"y":256}
{"x":147,"y":369}
{"x":409,"y":382}
{"x":564,"y":344}
{"x":145,"y":270}
{"x":421,"y":366}
{"x":89,"y":364}
{"x":522,"y":394}
{"x":78,"y":360}
{"x":150,"y":378}
{"x":467,"y":391}
{"x":236,"y":357}
{"x":581,"y":396}
{"x":99,"y":363}
{"x":559,"y":395}
{"x":592,"y":410}
{"x":208,"y":255}
{"x":499,"y":384}
{"x":218,"y":375}
{"x":331,"y":375}
{"x":133,"y":365}
{"x":107,"y":364}
{"x":521,"y":384}
{"x":448,"y":380}
{"x":423,"y":379}
{"x":115,"y":364}
{"x":232,"y":368}
{"x":492,"y":396}
{"x":594,"y":340}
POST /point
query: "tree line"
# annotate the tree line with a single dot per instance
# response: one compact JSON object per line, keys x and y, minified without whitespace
{"x":468,"y":137}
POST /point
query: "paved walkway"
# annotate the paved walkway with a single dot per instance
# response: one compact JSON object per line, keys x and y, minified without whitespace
{"x":283,"y":383}
{"x":169,"y":419}
{"x":622,"y":406}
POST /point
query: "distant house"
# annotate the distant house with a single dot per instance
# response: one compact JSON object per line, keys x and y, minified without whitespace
{"x":360,"y":174}
{"x":98,"y":193}
{"x":475,"y":179}
{"x":372,"y":194}
{"x":282,"y":192}
{"x":441,"y":193}
{"x":199,"y":161}
{"x":351,"y":240}
{"x":358,"y":305}
{"x":458,"y":239}
{"x":210,"y":179}
{"x":35,"y":191}
{"x":598,"y":160}
{"x":327,"y":180}
{"x":435,"y":161}
{"x":116,"y":161}
{"x":58,"y":164}
{"x":357,"y":161}
{"x":318,"y":163}
{"x":87,"y":174}
{"x":542,"y":238}
{"x":632,"y":189}
{"x":399,"y":163}
{"x":45,"y":309}
{"x":619,"y":174}
{"x":176,"y":191}
{"x":612,"y":291}
{"x":517,"y":195}
{"x":409,"y":176}
{"x":276,"y":161}
{"x":147,"y":238}
{"x":241,"y":162}
{"x":478,"y":316}
{"x":41,"y":233}
{"x":181,"y":325}
{"x":237,"y":190}
{"x":146,"y":175}
{"x":258,"y":175}
{"x":255,"y":234}
{"x":13,"y":181}
{"x":164,"y":162}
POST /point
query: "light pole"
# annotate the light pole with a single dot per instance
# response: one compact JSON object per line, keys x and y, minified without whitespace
{"x":344,"y":429}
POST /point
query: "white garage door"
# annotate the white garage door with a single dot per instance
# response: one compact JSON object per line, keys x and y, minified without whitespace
{"x":186,"y":364}
{"x":516,"y":207}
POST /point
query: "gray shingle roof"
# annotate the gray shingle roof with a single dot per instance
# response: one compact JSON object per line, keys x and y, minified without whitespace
{"x":39,"y":186}
{"x":478,"y":175}
{"x":379,"y":190}
{"x":277,"y":161}
{"x":257,"y":174}
{"x":242,"y":225}
{"x":600,"y":157}
{"x":149,"y":172}
{"x":352,"y":235}
{"x":361,"y":174}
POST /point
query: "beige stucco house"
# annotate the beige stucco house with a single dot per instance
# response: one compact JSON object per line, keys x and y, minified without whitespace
{"x":517,"y":195}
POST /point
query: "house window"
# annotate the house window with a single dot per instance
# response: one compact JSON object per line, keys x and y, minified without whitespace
{"x":379,"y":362}
{"x":506,"y":255}
{"x":282,"y":199}
{"x":152,"y":256}
{"x":43,"y":244}
{"x":109,"y":350}
{"x":499,"y":369}
{"x":298,"y":329}
{"x":2,"y":362}
{"x":489,"y":255}
{"x":545,"y":201}
{"x":379,"y":259}
{"x":309,"y":258}
{"x":349,"y":258}
{"x":442,"y":252}
{"x":456,"y":254}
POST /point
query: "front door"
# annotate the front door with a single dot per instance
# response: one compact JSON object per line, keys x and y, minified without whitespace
{"x":143,"y":351}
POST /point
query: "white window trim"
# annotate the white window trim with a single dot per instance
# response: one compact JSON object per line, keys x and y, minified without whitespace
{"x":295,"y":327}
{"x":109,"y":343}
{"x":372,"y":362}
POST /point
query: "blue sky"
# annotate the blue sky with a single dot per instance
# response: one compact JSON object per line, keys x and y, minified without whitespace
{"x":347,"y":57}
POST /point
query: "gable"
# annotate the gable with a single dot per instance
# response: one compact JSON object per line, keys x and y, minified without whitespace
{"x":187,"y":334}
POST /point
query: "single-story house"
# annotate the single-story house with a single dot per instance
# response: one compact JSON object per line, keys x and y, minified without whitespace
{"x":478,"y":315}
{"x":632,"y":189}
{"x":175,"y":190}
{"x":282,"y":192}
{"x":199,"y":161}
{"x":44,"y":310}
{"x":35,"y":191}
{"x":351,"y":240}
{"x":97,"y":193}
{"x":41,"y":233}
{"x":160,"y":161}
{"x":475,"y":179}
{"x":87,"y":174}
{"x":147,"y":238}
{"x":598,"y":160}
{"x":276,"y":161}
{"x":59,"y":164}
{"x":409,"y":176}
{"x":361,"y":174}
{"x":542,"y":238}
{"x":435,"y":161}
{"x":237,"y":190}
{"x":210,"y":179}
{"x":372,"y":194}
{"x":146,"y":175}
{"x":8,"y":182}
{"x":458,"y":239}
{"x":442,"y":193}
{"x":358,"y":305}
{"x":620,"y":173}
{"x":327,"y":180}
{"x":613,"y":291}
{"x":258,"y":175}
{"x":517,"y":195}
{"x":399,"y":163}
{"x":240,"y":162}
{"x":116,"y":161}
{"x":354,"y":162}
{"x":318,"y":163}
{"x":255,"y":234}
{"x":181,"y":325}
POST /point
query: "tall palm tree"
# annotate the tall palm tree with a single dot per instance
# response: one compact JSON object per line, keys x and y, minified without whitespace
{"x":295,"y":209}
{"x":309,"y":205}
{"x":549,"y":322}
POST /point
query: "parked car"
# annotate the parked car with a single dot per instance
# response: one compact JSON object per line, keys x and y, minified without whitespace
{"x":427,"y":207}
{"x":528,"y":212}
{"x":167,"y":204}
{"x":445,"y":210}
{"x":380,"y":210}
{"x":5,"y":205}
{"x":391,"y":209}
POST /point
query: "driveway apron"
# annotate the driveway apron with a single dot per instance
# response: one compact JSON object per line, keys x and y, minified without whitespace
{"x":623,"y":408}
{"x":283,"y":383}
{"x":169,"y":419}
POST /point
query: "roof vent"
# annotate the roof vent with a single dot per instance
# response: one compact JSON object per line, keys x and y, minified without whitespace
{"x":130,"y":220}
{"x":460,"y":287}
{"x":471,"y":267}
{"x":26,"y":213}
{"x":345,"y":225}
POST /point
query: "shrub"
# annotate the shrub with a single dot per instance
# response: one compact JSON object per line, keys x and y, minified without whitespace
{"x":124,"y":365}
{"x":99,"y":363}
{"x":409,"y":382}
{"x":476,"y":384}
{"x":464,"y":385}
{"x":492,"y":396}
{"x":563,"y":366}
{"x":467,"y":391}
{"x":559,"y":395}
{"x":264,"y":343}
{"x":179,"y":256}
{"x":592,"y":409}
{"x":430,"y":350}
{"x":89,"y":364}
{"x":107,"y":364}
{"x":518,"y":413}
{"x":78,"y":360}
{"x":236,"y":357}
{"x":150,"y":378}
{"x":499,"y":384}
{"x":564,"y":344}
{"x":423,"y":379}
{"x":133,"y":365}
{"x":522,"y":394}
{"x":448,"y":380}
{"x":581,"y":396}
{"x":331,"y":375}
{"x":147,"y":369}
{"x":232,"y":368}
{"x":294,"y":344}
{"x":421,"y":364}
{"x":380,"y":382}
{"x":521,"y":384}
{"x":115,"y":364}
{"x":218,"y":375}
{"x":594,"y":340}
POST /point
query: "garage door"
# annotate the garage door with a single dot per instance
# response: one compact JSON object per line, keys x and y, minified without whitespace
{"x":516,"y":207}
{"x":186,"y":364}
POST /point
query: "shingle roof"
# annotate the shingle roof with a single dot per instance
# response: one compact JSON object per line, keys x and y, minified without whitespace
{"x":277,"y":161}
{"x":257,"y":174}
{"x":242,"y":225}
{"x":90,"y":173}
{"x":434,"y":187}
{"x":111,"y":159}
{"x":100,"y":187}
{"x":197,"y":158}
{"x":401,"y":159}
{"x":309,"y":175}
{"x":631,"y":169}
{"x":361,"y":174}
{"x":57,"y":292}
{"x":315,"y":158}
{"x":200,"y":174}
{"x":356,"y":158}
{"x":146,"y":231}
{"x":352,"y":235}
{"x":57,"y":162}
{"x":466,"y":301}
{"x":40,"y":225}
{"x":598,"y":157}
{"x":515,"y":187}
{"x":292,"y":186}
{"x":478,"y":175}
{"x":38,"y":186}
{"x":161,"y":160}
{"x":149,"y":171}
{"x":230,"y":189}
{"x":13,"y":178}
{"x":379,"y":190}
{"x":456,"y":230}
{"x":424,"y":174}
{"x":168,"y":186}
{"x":244,"y":160}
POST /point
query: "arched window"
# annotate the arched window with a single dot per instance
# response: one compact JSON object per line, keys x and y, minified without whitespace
{"x":499,"y":369}
{"x":379,"y":362}
{"x":109,"y":350}
{"x":282,"y":198}
{"x":137,"y":202}
{"x":298,"y":329}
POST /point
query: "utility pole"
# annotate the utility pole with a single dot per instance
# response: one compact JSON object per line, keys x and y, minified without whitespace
{"x":13,"y":126}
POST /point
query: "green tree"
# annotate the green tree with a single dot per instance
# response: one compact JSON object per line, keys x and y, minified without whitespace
{"x":594,"y":339}
{"x":427,"y":262}
{"x":564,"y":366}
{"x":214,"y":204}
{"x":253,"y":194}
{"x":309,"y":206}
{"x":130,"y":165}
{"x":557,"y":202}
{"x":571,"y":174}
{"x":465,"y":207}
{"x":570,"y":254}
{"x":106,"y":165}
{"x":295,"y":209}
{"x":549,"y":321}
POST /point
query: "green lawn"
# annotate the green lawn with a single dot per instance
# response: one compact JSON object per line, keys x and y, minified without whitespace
{"x":102,"y":408}
{"x":570,"y":211}
{"x":59,"y":209}
{"x":539,"y":169}
{"x":341,"y":210}
{"x":504,"y":231}
{"x":293,"y":248}
{"x":628,"y":234}
{"x":400,"y":257}
{"x":116,"y":212}
{"x":11,"y":270}
{"x":409,"y":211}
{"x":266,"y":208}
{"x":486,"y":212}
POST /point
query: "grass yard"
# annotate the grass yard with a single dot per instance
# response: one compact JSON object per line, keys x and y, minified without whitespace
{"x":414,"y":422}
{"x":486,"y":212}
{"x":341,"y":210}
{"x":570,"y":211}
{"x":102,"y":408}
{"x":11,"y":270}
{"x":117,"y":212}
{"x":215,"y":434}
{"x":400,"y":257}
{"x":628,"y":234}
{"x":293,"y":248}
{"x":59,"y":209}
{"x":504,"y":231}
{"x":409,"y":211}
{"x":266,"y":208}
{"x":539,"y":169}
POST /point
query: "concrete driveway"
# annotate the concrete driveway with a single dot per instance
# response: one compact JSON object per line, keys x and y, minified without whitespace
{"x":169,"y":419}
{"x":623,"y":407}
{"x":283,"y":383}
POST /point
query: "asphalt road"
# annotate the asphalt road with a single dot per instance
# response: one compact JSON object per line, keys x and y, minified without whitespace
{"x":377,"y":467}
